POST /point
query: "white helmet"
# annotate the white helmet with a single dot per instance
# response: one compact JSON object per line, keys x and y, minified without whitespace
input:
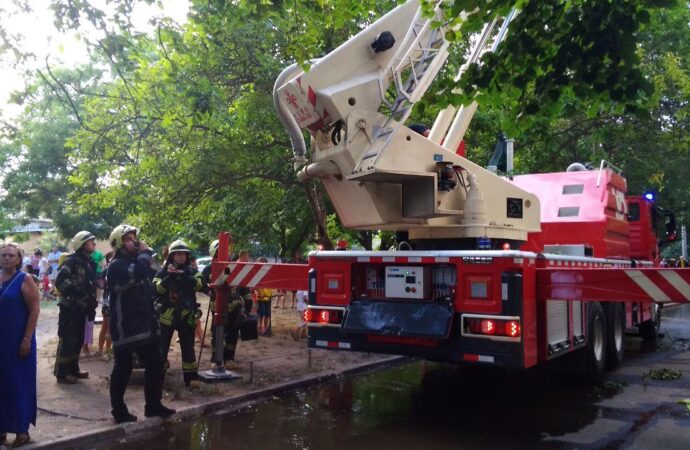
{"x":118,"y":233}
{"x":213,"y":248}
{"x":80,"y":239}
{"x":178,"y":246}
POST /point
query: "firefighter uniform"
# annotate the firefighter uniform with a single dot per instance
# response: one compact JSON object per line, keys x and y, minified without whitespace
{"x":76,"y":282}
{"x":176,"y":286}
{"x":133,"y":325}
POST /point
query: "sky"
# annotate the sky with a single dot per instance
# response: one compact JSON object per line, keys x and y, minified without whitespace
{"x":40,"y":37}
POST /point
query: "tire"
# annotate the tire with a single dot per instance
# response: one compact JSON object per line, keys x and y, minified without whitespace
{"x":649,"y":329}
{"x":595,"y":352}
{"x":615,"y":332}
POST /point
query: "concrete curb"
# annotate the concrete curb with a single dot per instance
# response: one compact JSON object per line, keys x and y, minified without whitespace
{"x":117,"y":432}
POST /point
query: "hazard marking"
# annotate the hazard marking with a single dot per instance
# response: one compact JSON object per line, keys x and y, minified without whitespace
{"x":259,"y":276}
{"x":403,"y":259}
{"x":677,"y":282}
{"x":224,"y":276}
{"x":240,"y":276}
{"x":477,"y":358}
{"x":647,"y":285}
{"x":333,"y":344}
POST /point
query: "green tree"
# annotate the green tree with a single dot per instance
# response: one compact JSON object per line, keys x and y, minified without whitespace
{"x":38,"y":163}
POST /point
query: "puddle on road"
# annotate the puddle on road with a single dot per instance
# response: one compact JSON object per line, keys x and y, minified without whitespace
{"x":418,"y":405}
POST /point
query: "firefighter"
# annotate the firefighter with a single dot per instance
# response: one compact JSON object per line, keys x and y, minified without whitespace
{"x":76,"y":281}
{"x":232,"y":315}
{"x":176,"y":284}
{"x":134,"y":328}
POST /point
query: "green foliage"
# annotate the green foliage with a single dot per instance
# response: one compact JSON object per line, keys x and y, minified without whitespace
{"x":556,"y":50}
{"x":38,"y":162}
{"x":181,"y":138}
{"x":49,"y":240}
{"x":20,"y":237}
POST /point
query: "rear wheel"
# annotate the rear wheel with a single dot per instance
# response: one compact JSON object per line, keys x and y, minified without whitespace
{"x":615,"y":331}
{"x":595,"y":351}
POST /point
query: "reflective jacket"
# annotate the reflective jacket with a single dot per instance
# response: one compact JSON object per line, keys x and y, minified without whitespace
{"x":177,"y":294}
{"x":132,"y":316}
{"x":76,"y":282}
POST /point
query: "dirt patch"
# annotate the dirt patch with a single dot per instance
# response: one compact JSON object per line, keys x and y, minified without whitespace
{"x":70,"y":410}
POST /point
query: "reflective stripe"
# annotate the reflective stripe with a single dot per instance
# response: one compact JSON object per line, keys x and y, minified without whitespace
{"x":240,"y":276}
{"x":647,"y":285}
{"x":677,"y":282}
{"x":259,"y":276}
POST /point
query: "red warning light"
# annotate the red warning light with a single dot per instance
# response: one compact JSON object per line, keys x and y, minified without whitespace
{"x":324,"y":316}
{"x":512,"y":328}
{"x":488,"y":327}
{"x":506,"y":246}
{"x":307,"y":315}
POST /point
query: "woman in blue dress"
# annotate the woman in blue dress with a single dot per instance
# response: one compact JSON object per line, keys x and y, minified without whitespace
{"x":19,"y":307}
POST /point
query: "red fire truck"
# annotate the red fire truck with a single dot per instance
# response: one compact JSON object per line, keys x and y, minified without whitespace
{"x":508,"y":270}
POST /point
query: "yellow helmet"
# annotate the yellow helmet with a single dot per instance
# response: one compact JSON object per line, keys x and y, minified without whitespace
{"x":80,"y":239}
{"x":178,"y":246}
{"x":213,"y":248}
{"x":118,"y":233}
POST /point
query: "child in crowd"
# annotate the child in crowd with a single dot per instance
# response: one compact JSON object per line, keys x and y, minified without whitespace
{"x":263,"y":307}
{"x":301,"y":330}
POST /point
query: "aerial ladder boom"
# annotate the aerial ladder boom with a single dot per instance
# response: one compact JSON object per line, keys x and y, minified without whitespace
{"x":380,"y":174}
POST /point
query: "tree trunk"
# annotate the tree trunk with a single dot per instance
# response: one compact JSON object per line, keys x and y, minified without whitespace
{"x":365,"y":239}
{"x":318,"y":210}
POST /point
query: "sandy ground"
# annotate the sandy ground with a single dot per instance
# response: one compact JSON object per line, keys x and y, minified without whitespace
{"x":68,"y":410}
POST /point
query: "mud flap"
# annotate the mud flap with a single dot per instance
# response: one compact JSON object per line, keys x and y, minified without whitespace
{"x":409,"y":319}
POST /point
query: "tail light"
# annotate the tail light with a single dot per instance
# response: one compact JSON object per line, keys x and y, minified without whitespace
{"x":478,"y":326}
{"x":324,"y":316}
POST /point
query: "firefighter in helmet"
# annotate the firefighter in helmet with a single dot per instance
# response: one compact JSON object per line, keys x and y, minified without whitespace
{"x":76,"y":282}
{"x":232,"y":315}
{"x":134,"y":327}
{"x":176,"y":284}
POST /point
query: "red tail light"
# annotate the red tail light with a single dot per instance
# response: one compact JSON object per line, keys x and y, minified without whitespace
{"x":492,"y":327}
{"x":323,"y":316}
{"x":512,"y":328}
{"x":488,"y":327}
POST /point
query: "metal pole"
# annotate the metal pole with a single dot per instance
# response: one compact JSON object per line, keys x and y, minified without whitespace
{"x":684,"y":242}
{"x":203,"y":337}
{"x":509,"y":156}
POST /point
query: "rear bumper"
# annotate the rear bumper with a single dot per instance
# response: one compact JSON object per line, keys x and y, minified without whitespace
{"x":454,"y":349}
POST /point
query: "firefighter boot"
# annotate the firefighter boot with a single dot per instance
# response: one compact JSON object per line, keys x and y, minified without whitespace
{"x":124,"y":416}
{"x":158,"y":410}
{"x":67,"y":379}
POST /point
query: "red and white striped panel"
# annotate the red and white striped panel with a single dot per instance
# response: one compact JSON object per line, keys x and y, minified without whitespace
{"x":293,"y":277}
{"x":403,"y":259}
{"x":333,"y":344}
{"x":614,"y":284}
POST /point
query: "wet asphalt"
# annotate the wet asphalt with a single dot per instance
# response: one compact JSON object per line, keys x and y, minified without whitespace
{"x":422,"y":405}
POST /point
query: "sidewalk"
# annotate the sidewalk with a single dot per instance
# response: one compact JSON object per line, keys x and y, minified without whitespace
{"x":266,"y":365}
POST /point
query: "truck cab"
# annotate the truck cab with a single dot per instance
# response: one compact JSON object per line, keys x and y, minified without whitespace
{"x":650,"y":227}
